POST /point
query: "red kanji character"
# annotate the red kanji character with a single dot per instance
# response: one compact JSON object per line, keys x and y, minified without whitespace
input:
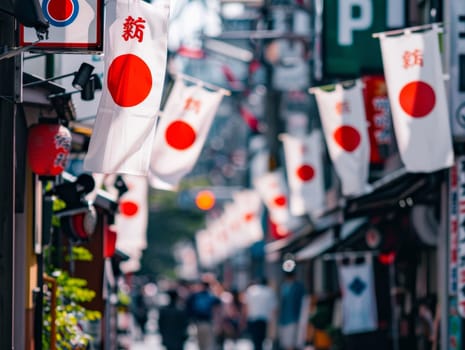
{"x":413,"y":58}
{"x":341,"y":107}
{"x":192,"y":104}
{"x":133,"y":28}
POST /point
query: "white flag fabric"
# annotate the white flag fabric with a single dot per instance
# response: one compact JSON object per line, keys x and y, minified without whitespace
{"x":135,"y":65}
{"x":359,"y":310}
{"x":181,"y":133}
{"x":249,"y":206}
{"x":205,"y":248}
{"x":304,"y":173}
{"x":274,"y":193}
{"x":132,"y":217}
{"x":416,"y":90}
{"x":342,"y":113}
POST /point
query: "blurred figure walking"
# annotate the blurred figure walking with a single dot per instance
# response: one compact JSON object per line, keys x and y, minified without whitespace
{"x":260,"y":301}
{"x":290,"y":306}
{"x":232,"y":317}
{"x":202,"y":306}
{"x":139,"y":311}
{"x":173,"y":323}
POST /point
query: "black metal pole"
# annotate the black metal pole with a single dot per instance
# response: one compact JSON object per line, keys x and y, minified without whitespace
{"x":10,"y":75}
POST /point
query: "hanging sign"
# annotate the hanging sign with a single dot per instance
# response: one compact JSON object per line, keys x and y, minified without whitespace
{"x":453,"y":228}
{"x":455,"y":46}
{"x":349,"y":48}
{"x":461,"y":237}
{"x":75,"y":26}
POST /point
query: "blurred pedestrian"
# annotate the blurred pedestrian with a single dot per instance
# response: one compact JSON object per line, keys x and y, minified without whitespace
{"x":290,"y":306}
{"x":232,"y":317}
{"x":260,"y":301}
{"x":202,"y":306}
{"x":139,"y":311}
{"x":173,"y":323}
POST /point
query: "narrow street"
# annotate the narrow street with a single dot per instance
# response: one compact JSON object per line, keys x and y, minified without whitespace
{"x":152,"y":340}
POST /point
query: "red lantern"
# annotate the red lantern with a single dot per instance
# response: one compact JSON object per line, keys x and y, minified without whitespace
{"x":48,"y":147}
{"x":109,"y":242}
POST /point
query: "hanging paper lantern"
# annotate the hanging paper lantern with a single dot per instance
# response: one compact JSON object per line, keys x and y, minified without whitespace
{"x":109,"y":242}
{"x":48,"y":147}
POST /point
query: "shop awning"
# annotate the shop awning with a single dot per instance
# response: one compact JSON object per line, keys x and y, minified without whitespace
{"x":329,"y":238}
{"x":303,"y":234}
{"x":397,"y":190}
{"x":351,"y":226}
{"x":317,"y":246}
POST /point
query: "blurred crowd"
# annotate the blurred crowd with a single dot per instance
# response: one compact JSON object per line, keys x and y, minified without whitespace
{"x":220,"y":316}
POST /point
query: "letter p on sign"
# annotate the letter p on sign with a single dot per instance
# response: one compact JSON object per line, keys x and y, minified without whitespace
{"x":353,"y":15}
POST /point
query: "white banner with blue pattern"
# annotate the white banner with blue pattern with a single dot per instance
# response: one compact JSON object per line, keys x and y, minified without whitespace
{"x":359,"y":312}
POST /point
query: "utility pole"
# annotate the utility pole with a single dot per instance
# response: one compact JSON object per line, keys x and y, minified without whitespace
{"x":10,"y":78}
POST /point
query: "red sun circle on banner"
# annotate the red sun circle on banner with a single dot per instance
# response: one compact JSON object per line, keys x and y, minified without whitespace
{"x":305,"y":172}
{"x":60,"y":10}
{"x":347,"y":137}
{"x":417,"y":99}
{"x":280,"y":201}
{"x":128,"y":208}
{"x":180,"y":135}
{"x":129,"y":80}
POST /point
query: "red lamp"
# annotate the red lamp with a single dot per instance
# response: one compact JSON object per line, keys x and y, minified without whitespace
{"x":48,"y":147}
{"x":109,"y":242}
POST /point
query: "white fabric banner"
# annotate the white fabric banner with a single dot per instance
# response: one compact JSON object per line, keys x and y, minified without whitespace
{"x":181,"y":133}
{"x":249,"y":206}
{"x":132,"y":218}
{"x":205,"y":248}
{"x":135,"y":65}
{"x":274,"y":193}
{"x":304,"y":173}
{"x":416,"y":90}
{"x":359,"y":310}
{"x":342,"y":113}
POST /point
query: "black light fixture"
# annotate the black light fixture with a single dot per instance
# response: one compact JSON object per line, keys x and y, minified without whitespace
{"x":81,"y":77}
{"x":87,"y":92}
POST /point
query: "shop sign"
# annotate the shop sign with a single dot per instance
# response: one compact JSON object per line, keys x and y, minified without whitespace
{"x":378,"y":114}
{"x":453,"y":228}
{"x":75,"y":26}
{"x":348,"y":25}
{"x":461,"y":236}
{"x":455,"y":45}
{"x":455,"y":326}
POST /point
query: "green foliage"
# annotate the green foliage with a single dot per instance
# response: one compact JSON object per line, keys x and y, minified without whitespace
{"x":71,"y":292}
{"x":167,"y":225}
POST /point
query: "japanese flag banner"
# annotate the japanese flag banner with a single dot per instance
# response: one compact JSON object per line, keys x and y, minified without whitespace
{"x":132,"y":218}
{"x":304,"y":173}
{"x":273,"y":191}
{"x":342,"y":113}
{"x":181,"y":133}
{"x":249,"y":206}
{"x":135,"y":62}
{"x":231,"y":222}
{"x":416,"y":90}
{"x":205,"y":248}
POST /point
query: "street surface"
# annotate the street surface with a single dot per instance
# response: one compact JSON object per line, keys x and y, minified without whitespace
{"x":152,"y":340}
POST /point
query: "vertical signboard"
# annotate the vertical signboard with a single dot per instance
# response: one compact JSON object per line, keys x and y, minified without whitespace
{"x":453,"y":228}
{"x":378,"y":113}
{"x":461,"y":236}
{"x":75,"y":26}
{"x":455,"y":48}
{"x":348,"y":46}
{"x":455,"y":331}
